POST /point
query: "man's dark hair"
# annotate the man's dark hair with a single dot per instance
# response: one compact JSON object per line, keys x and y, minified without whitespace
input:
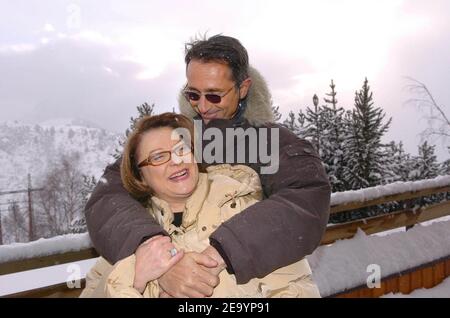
{"x":220,"y":48}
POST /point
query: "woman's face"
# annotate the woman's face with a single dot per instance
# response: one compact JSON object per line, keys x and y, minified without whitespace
{"x":174,"y":180}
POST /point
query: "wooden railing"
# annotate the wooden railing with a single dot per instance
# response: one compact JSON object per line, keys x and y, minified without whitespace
{"x":402,"y":218}
{"x":381,"y":223}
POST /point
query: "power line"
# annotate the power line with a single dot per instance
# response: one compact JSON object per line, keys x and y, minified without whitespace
{"x":21,"y":191}
{"x":12,"y":202}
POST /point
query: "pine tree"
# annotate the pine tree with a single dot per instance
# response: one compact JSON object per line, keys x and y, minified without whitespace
{"x":313,"y":125}
{"x":425,"y":165}
{"x":445,"y":168}
{"x":143,"y":110}
{"x":364,"y":152}
{"x":333,"y":100}
{"x":398,"y":163}
{"x":332,"y":137}
{"x":291,"y":123}
{"x":276,"y":113}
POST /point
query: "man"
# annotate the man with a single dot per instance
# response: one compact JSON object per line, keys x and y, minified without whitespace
{"x":226,"y":93}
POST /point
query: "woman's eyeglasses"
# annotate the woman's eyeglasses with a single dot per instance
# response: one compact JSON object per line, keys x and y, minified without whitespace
{"x":162,"y":157}
{"x":193,"y":96}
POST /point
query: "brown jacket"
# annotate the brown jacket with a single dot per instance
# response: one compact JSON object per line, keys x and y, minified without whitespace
{"x":222,"y":193}
{"x":278,"y":231}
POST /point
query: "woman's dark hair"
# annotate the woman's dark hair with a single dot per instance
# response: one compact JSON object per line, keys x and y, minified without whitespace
{"x":222,"y":49}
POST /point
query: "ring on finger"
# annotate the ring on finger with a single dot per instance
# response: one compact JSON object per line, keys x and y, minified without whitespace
{"x":173,"y":252}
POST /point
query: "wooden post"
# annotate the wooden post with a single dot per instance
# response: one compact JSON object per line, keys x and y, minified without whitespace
{"x":30,"y":212}
{"x":409,"y":205}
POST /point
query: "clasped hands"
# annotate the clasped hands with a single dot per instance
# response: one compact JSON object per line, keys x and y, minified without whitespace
{"x":185,"y":274}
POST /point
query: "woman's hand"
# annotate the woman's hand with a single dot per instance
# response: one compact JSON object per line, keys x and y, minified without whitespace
{"x":153,"y":259}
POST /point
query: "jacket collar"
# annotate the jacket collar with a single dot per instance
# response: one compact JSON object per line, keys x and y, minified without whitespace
{"x":256,"y":108}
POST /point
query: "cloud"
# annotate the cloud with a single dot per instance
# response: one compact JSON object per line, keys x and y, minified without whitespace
{"x":49,"y":28}
{"x":70,"y":77}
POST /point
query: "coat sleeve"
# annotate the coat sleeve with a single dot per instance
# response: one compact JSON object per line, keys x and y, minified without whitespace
{"x":116,"y":222}
{"x":119,"y":283}
{"x":286,"y":226}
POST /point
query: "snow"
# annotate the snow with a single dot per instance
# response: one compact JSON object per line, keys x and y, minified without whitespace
{"x":362,"y":195}
{"x":43,"y":247}
{"x":47,"y":276}
{"x":36,"y":148}
{"x":337,"y":267}
{"x":344,"y":264}
{"x":439,"y":291}
{"x":64,"y":122}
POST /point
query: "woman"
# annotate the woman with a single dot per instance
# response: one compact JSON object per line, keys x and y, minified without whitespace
{"x":159,"y":169}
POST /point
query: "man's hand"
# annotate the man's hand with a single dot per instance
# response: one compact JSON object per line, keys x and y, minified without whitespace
{"x":212,"y":252}
{"x":190,"y":277}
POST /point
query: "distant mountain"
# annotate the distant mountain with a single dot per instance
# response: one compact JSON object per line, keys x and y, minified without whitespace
{"x":69,"y":122}
{"x":36,"y":148}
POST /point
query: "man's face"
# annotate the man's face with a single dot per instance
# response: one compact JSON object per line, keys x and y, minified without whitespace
{"x":214,"y":78}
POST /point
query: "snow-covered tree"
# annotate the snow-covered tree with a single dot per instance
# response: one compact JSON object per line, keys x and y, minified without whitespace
{"x":425,"y":165}
{"x":332,"y":137}
{"x":444,"y":168}
{"x":143,"y":110}
{"x":364,"y":153}
{"x":314,"y":125}
{"x":398,"y":163}
{"x":291,"y":123}
{"x":276,"y":113}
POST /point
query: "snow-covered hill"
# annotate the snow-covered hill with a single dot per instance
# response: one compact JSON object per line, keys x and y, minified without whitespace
{"x":36,"y":148}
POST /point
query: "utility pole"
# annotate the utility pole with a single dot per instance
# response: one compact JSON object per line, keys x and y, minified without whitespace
{"x":30,"y":212}
{"x":1,"y":233}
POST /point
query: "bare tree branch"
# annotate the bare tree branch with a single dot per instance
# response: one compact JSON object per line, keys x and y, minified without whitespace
{"x":426,"y":100}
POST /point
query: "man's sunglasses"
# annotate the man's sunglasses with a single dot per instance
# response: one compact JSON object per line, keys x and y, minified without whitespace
{"x":193,"y":96}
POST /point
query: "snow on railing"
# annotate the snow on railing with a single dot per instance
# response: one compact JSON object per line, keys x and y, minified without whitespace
{"x":346,"y":264}
{"x":361,"y":195}
{"x":44,"y":247}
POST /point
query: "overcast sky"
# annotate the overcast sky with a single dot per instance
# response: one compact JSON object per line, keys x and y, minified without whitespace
{"x":98,"y":60}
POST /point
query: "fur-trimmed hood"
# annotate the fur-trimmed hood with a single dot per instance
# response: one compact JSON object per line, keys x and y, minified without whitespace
{"x":259,"y":102}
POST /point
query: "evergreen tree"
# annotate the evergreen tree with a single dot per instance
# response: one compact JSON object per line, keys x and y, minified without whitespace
{"x":364,"y":153}
{"x":445,"y":168}
{"x":291,"y":123}
{"x":332,"y":100}
{"x":398,"y":163}
{"x":332,"y":138}
{"x":313,"y":125}
{"x":143,"y":110}
{"x":276,"y":113}
{"x":296,"y":124}
{"x":425,"y":165}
